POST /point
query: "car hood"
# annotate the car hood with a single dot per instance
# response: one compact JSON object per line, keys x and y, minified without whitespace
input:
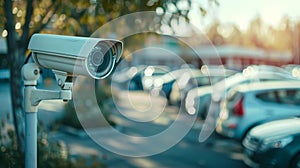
{"x":277,"y":128}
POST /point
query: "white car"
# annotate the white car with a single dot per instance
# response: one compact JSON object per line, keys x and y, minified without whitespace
{"x":151,"y":73}
{"x":204,"y":100}
{"x":273,"y":144}
{"x":129,"y":77}
{"x":249,"y":105}
{"x":294,"y":69}
{"x":206,"y":76}
{"x":163,"y":85}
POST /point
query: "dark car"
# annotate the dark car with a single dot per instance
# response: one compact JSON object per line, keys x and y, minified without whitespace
{"x":164,"y":84}
{"x":129,"y":78}
{"x":274,"y":144}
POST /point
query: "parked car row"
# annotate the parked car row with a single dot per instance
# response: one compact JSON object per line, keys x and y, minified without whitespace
{"x":204,"y":100}
{"x":138,"y":77}
{"x":206,"y":76}
{"x":197,"y":90}
{"x":173,"y":84}
{"x":258,"y":106}
{"x":263,"y":116}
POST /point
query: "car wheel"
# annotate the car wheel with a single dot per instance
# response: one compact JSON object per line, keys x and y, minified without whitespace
{"x":295,"y":162}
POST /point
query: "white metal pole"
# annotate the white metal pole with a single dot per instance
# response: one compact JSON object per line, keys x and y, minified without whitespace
{"x":30,"y":75}
{"x":30,"y":139}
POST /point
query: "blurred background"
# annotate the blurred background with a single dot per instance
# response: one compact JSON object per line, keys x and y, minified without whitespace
{"x":192,"y":58}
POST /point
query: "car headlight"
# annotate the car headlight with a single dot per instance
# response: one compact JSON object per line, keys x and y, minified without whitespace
{"x":275,"y":143}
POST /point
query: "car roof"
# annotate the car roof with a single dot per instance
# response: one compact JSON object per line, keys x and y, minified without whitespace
{"x":195,"y":73}
{"x":267,"y":85}
{"x":175,"y":74}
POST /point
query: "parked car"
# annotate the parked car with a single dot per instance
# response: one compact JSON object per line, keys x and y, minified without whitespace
{"x":249,"y":105}
{"x":129,"y":78}
{"x":163,"y":84}
{"x":273,"y":144}
{"x":138,"y":77}
{"x":198,"y":100}
{"x":150,"y":74}
{"x":206,"y":100}
{"x":206,"y":76}
{"x":294,"y":69}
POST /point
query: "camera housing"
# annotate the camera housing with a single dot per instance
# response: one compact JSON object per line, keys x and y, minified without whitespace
{"x":94,"y":57}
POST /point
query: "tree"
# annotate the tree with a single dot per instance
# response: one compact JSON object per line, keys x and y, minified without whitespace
{"x":14,"y":51}
{"x":257,"y":33}
{"x":214,"y":33}
{"x":23,"y":18}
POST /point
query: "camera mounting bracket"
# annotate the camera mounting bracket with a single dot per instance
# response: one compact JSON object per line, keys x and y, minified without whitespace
{"x":33,"y":96}
{"x":64,"y":80}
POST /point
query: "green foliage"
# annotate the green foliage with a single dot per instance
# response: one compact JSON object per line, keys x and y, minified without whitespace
{"x":2,"y":16}
{"x":84,"y":17}
{"x":9,"y":154}
{"x":51,"y":153}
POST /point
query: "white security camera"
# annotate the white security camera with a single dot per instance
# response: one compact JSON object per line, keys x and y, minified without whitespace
{"x":87,"y":56}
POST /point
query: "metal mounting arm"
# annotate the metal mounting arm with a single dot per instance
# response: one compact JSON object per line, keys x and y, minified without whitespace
{"x":34,"y":96}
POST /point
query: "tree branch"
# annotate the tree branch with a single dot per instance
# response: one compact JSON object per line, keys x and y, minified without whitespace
{"x":25,"y":34}
{"x":56,"y":6}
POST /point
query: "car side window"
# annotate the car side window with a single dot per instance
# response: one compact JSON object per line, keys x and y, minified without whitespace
{"x":297,"y":98}
{"x":202,"y":81}
{"x":291,"y":96}
{"x":268,"y":96}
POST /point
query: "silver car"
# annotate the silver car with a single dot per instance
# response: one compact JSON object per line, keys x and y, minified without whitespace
{"x":273,"y":144}
{"x":206,"y":76}
{"x":248,"y":105}
{"x":204,"y":100}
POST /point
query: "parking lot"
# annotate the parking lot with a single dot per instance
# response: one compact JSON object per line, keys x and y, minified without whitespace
{"x":139,"y":113}
{"x":226,"y":110}
{"x":188,"y":152}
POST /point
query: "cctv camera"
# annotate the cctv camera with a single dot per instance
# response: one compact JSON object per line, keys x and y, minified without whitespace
{"x":93,"y":57}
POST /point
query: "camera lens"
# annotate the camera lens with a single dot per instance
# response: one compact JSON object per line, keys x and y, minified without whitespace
{"x":97,"y":58}
{"x":100,"y":60}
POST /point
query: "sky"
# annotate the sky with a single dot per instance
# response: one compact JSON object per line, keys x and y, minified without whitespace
{"x":241,"y":12}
